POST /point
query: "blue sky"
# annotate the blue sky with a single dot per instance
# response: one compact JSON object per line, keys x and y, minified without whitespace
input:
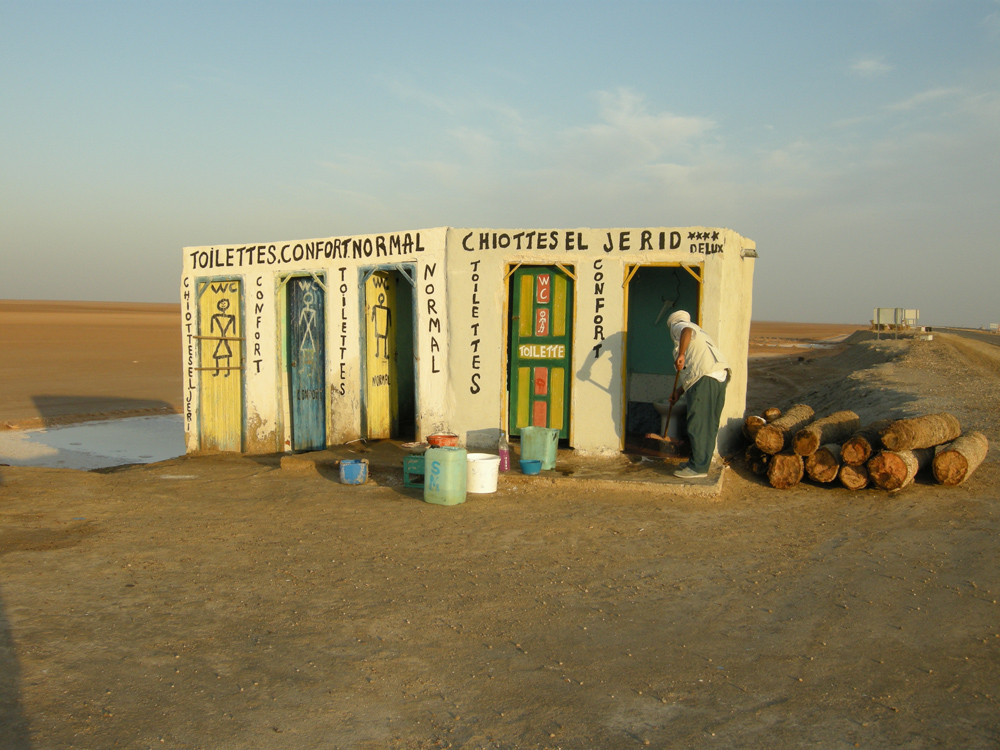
{"x":858,"y":143}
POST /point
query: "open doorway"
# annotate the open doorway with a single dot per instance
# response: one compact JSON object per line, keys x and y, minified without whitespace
{"x":654,"y":291}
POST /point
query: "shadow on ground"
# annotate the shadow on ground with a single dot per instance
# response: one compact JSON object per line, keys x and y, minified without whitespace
{"x":13,"y":725}
{"x":58,"y":409}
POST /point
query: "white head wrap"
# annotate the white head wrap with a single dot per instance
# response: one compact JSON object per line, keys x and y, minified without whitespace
{"x":676,"y":318}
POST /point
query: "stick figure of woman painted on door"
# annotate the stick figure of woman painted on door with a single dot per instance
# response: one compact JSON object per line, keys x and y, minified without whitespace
{"x":382,"y":320}
{"x":224,"y":322}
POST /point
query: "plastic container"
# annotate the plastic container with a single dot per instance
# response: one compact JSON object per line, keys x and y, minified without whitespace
{"x":441,"y":439}
{"x":445,"y":475}
{"x":354,"y":471}
{"x":413,"y":471}
{"x":540,"y":443}
{"x":482,"y":472}
{"x":504,"y":451}
{"x":530,"y":466}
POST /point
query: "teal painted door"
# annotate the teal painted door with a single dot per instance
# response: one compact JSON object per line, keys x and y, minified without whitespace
{"x":306,"y":359}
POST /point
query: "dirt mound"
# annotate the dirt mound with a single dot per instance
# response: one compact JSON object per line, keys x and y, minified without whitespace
{"x":849,"y":377}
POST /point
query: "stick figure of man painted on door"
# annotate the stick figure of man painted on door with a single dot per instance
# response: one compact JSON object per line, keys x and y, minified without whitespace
{"x":224,"y":322}
{"x":382,"y":318}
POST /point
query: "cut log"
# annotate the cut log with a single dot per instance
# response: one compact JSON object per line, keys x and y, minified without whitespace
{"x":823,"y":464}
{"x":853,"y":477}
{"x":775,"y":436}
{"x":835,"y":428}
{"x":953,"y":463}
{"x":785,"y":470}
{"x":894,"y":470}
{"x":920,"y":432}
{"x":751,"y":424}
{"x":771,"y":414}
{"x":860,"y":446}
{"x":756,"y":460}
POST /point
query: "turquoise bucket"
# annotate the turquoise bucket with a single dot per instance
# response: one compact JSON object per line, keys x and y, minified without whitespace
{"x":353,"y":471}
{"x":445,"y":475}
{"x":540,"y":443}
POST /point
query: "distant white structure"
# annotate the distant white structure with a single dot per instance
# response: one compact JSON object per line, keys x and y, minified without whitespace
{"x":894,"y":318}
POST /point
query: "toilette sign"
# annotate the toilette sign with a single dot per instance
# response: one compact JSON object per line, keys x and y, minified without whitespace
{"x":542,"y":351}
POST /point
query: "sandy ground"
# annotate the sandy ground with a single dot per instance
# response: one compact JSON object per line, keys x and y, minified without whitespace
{"x":73,"y":361}
{"x":227,"y":602}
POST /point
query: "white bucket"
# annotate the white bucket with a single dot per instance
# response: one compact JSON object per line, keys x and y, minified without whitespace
{"x":483,"y":469}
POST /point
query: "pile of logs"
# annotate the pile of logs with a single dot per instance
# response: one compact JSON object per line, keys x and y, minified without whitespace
{"x":887,"y":454}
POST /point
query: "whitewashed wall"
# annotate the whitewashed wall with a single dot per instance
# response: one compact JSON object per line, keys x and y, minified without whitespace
{"x":461,"y":322}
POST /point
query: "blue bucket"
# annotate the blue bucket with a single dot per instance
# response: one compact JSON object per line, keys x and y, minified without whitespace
{"x":353,"y":471}
{"x":531,"y":466}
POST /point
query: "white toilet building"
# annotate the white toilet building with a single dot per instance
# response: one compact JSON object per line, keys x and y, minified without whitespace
{"x":303,"y":344}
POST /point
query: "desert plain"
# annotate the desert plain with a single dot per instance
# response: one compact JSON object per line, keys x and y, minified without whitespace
{"x":231,"y":602}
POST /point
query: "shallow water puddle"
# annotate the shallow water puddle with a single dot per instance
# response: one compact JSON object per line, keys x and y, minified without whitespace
{"x":95,"y":445}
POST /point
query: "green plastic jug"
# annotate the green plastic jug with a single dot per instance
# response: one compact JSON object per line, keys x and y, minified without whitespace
{"x":445,"y":475}
{"x":540,"y":443}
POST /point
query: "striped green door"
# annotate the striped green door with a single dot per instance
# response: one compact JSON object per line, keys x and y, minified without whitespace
{"x":540,"y":351}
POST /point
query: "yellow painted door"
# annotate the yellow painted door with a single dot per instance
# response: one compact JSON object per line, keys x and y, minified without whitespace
{"x":220,"y":333}
{"x":381,"y":386}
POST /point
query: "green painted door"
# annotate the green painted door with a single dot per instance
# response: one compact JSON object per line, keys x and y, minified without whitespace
{"x":540,"y":348}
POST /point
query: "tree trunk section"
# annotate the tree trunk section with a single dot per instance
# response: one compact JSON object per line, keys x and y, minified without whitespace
{"x":751,"y":425}
{"x":894,"y":470}
{"x":774,"y":436}
{"x":854,"y":477}
{"x":834,"y":428}
{"x":785,"y":470}
{"x":860,"y":446}
{"x":771,"y":414}
{"x":824,"y":463}
{"x":757,"y":460}
{"x":956,"y":461}
{"x":920,"y":432}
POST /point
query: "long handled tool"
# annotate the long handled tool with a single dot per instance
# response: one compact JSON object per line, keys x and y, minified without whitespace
{"x":666,"y":425}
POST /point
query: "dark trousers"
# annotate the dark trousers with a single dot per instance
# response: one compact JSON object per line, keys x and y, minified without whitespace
{"x":705,"y":400}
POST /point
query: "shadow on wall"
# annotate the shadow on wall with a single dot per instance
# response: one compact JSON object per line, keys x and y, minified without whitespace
{"x":487,"y":439}
{"x":612,"y":343}
{"x":61,"y":409}
{"x":13,"y":725}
